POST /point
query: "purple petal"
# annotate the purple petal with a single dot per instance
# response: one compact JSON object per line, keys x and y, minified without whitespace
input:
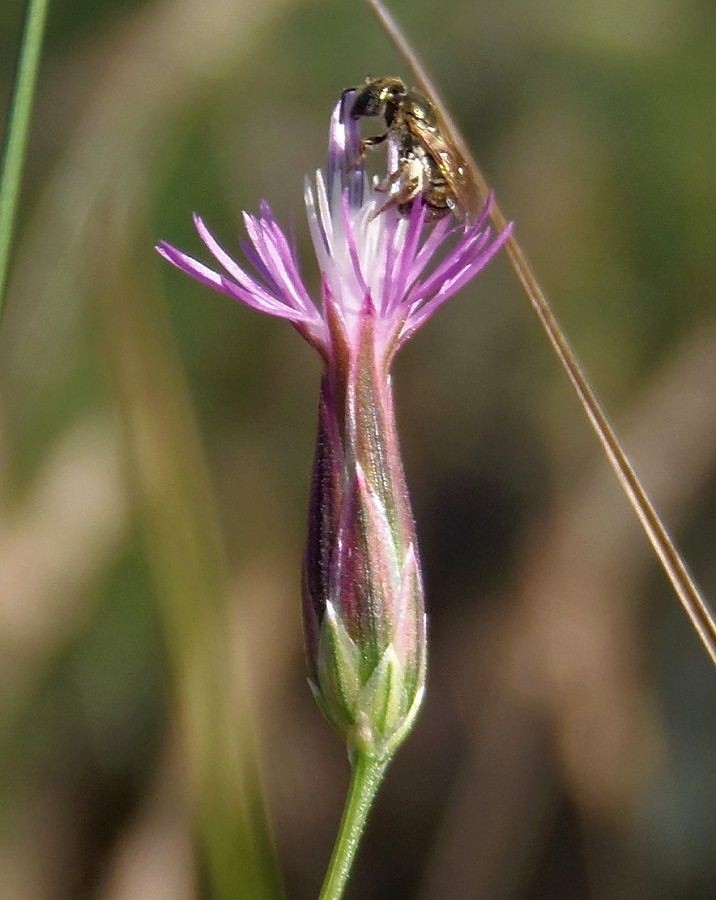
{"x":244,"y":281}
{"x":208,"y":277}
{"x":321,"y":244}
{"x":440,"y":232}
{"x":421,"y":313}
{"x":351,"y":241}
{"x":274,"y":261}
{"x":249,"y":251}
{"x":407,"y":253}
{"x":190,"y":266}
{"x":345,"y":164}
{"x":392,"y":252}
{"x":288,"y":257}
{"x":453,"y":262}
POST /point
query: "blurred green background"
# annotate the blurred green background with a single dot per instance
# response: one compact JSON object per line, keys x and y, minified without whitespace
{"x":566,"y":747}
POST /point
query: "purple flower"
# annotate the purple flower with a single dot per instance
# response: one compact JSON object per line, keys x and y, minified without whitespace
{"x":383,"y":275}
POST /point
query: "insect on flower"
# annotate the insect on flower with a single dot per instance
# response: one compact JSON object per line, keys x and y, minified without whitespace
{"x":384,"y":271}
{"x":428,"y":164}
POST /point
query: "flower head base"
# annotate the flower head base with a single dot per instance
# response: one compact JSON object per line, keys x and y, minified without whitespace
{"x":382,"y":276}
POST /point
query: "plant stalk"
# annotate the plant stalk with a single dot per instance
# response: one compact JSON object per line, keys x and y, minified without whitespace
{"x":671,"y":560}
{"x":366,"y":776}
{"x":18,"y":124}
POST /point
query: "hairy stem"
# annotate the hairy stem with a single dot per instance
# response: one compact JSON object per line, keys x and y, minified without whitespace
{"x":366,"y":776}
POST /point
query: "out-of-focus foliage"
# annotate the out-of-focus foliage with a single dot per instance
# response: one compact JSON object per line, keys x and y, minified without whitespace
{"x":565,"y":748}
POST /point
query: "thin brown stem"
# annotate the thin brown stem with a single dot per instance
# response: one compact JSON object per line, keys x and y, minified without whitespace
{"x":670,"y":558}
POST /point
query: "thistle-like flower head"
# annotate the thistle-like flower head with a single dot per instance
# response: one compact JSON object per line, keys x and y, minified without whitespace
{"x":397,"y":269}
{"x":383,"y":274}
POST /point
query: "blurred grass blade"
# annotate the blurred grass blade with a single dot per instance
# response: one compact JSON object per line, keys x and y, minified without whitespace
{"x":17,"y":127}
{"x":670,"y":558}
{"x":190,"y":575}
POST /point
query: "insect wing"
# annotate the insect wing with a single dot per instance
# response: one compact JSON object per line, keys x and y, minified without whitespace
{"x":453,"y":167}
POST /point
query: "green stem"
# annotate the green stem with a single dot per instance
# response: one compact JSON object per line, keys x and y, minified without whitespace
{"x":17,"y":129}
{"x":365,"y":778}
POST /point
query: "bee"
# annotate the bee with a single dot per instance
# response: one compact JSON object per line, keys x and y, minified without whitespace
{"x":429,"y":164}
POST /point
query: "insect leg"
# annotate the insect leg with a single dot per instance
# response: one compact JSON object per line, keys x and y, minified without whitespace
{"x":365,"y":145}
{"x":409,"y":178}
